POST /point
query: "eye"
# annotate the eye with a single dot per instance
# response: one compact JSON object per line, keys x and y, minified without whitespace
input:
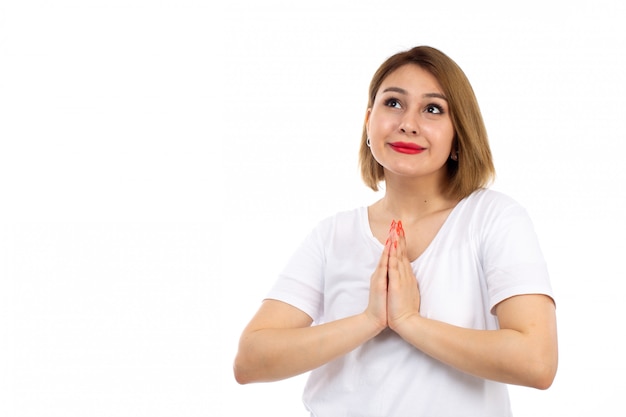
{"x":434,"y":109}
{"x":393,"y":102}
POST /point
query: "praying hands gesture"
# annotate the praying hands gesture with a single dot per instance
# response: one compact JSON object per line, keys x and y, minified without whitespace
{"x":394,"y":293}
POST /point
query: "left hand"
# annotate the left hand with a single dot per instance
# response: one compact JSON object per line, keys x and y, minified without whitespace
{"x":403,"y":295}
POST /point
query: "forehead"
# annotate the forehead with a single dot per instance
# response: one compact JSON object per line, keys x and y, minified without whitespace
{"x":413,"y":79}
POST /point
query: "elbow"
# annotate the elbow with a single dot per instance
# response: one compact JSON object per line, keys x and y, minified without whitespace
{"x":248,"y":368}
{"x":243,"y":365}
{"x":240,"y":377}
{"x":543,"y":376}
{"x":542,"y":383}
{"x":544,"y":380}
{"x":241,"y":372}
{"x":542,"y":368}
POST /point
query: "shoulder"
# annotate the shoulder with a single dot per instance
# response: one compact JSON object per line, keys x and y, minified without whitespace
{"x":343,"y":217}
{"x":345,"y":220}
{"x":488,"y":201}
{"x":486,"y":210}
{"x":487,"y":196}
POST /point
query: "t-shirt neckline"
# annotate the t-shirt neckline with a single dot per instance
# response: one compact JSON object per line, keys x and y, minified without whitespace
{"x":365,"y":224}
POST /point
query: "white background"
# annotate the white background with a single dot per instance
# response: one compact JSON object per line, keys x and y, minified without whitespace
{"x":160,"y":160}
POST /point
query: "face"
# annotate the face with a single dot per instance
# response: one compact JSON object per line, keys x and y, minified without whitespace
{"x":409,"y":124}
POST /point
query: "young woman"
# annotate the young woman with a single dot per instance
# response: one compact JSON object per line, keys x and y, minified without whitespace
{"x":432,"y":299}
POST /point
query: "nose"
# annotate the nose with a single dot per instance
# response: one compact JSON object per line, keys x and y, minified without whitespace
{"x":409,"y":125}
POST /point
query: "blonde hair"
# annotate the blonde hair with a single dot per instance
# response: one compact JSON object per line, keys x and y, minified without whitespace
{"x":474,"y":168}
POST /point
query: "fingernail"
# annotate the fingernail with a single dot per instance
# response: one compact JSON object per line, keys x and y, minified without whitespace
{"x":393,"y":225}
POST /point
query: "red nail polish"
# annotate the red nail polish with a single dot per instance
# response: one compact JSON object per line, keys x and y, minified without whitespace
{"x":400,"y":229}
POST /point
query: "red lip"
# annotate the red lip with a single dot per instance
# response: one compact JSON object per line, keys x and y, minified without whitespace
{"x":406,"y":147}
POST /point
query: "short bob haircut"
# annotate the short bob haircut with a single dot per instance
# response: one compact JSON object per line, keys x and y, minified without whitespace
{"x":474,"y":166}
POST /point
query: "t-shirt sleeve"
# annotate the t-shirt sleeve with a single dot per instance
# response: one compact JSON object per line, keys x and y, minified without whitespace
{"x":512,"y":258}
{"x":301,"y":283}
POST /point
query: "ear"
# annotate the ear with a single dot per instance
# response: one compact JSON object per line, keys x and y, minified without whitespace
{"x":368,"y":113}
{"x":454,"y":149}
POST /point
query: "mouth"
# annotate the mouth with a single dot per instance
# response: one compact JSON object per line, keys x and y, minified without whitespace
{"x":406,"y":147}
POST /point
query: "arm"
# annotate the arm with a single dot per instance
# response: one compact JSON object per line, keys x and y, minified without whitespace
{"x":522,"y":352}
{"x":279,"y":342}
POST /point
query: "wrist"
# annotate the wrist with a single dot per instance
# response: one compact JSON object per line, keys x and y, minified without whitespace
{"x":406,"y":324}
{"x":373,"y":323}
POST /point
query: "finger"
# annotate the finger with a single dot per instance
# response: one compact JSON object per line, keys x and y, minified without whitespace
{"x":393,"y":262}
{"x":384,"y":257}
{"x":393,"y":226}
{"x":405,"y":269}
{"x":403,"y":253}
{"x":379,"y":277}
{"x":398,"y":250}
{"x":392,"y":236}
{"x":401,"y":240}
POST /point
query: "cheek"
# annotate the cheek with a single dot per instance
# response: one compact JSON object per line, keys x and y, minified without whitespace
{"x":381,"y":115}
{"x":444,"y":135}
{"x":382,"y":125}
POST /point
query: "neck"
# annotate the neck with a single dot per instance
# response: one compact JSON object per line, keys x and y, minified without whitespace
{"x":411,"y":201}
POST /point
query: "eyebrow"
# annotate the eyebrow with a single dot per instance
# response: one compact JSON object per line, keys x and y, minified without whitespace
{"x":403,"y":91}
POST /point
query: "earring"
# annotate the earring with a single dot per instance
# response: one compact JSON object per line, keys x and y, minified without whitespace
{"x":454,"y":155}
{"x":369,"y":144}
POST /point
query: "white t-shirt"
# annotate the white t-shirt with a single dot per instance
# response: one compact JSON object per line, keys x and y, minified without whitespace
{"x":485,"y":252}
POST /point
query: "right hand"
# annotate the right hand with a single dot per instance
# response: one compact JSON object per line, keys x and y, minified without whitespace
{"x":377,"y":305}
